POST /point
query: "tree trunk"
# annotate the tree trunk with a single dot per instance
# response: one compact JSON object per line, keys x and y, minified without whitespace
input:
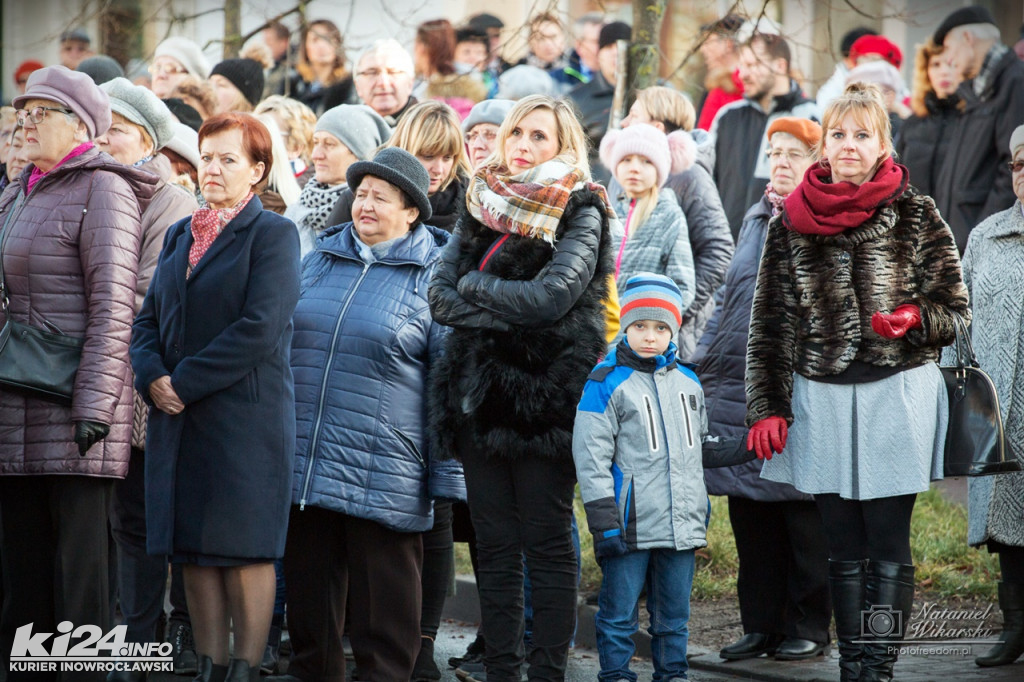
{"x":645,"y":52}
{"x":232,"y":28}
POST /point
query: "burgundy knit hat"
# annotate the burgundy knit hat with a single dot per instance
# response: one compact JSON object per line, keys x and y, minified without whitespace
{"x":880,"y":45}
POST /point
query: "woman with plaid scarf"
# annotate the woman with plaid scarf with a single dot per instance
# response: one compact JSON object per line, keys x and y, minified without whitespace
{"x":522,"y":284}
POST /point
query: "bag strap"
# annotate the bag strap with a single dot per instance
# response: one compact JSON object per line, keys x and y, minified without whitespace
{"x":965,"y":356}
{"x":3,"y":240}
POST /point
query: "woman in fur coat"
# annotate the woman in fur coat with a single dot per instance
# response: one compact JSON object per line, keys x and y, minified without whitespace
{"x":858,"y":290}
{"x":522,"y":284}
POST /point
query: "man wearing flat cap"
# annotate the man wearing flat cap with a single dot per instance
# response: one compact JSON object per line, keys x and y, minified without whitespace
{"x":974,"y":181}
{"x":594,"y":99}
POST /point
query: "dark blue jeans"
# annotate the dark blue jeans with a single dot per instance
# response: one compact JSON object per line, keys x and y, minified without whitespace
{"x":668,"y":574}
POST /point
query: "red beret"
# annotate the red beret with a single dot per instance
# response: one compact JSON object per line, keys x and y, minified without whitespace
{"x":803,"y":129}
{"x":25,"y":68}
{"x":879,"y":45}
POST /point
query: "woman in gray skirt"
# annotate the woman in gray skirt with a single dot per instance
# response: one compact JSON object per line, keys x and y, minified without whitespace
{"x":858,"y":290}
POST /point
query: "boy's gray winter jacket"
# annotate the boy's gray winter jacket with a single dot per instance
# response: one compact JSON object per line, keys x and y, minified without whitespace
{"x":640,"y":432}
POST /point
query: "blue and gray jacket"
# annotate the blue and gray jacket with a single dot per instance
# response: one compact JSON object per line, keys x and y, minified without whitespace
{"x":641,"y":443}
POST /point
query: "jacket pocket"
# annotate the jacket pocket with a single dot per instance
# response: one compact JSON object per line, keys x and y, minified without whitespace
{"x":652,"y":424}
{"x":688,"y":416}
{"x":252,"y":382}
{"x":411,"y":445}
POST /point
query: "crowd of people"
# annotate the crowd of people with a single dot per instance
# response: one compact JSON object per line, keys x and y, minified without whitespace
{"x":338,"y":313}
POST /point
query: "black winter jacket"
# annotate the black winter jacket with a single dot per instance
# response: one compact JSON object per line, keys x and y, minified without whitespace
{"x":974,"y":181}
{"x":593,"y":101}
{"x":526,"y":333}
{"x":924,"y":141}
{"x":741,"y":162}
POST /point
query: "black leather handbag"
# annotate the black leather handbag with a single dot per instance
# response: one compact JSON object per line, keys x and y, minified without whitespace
{"x":38,"y":363}
{"x":974,"y":438}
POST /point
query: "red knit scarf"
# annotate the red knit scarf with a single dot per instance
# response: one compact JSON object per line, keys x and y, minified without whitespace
{"x":820,"y":206}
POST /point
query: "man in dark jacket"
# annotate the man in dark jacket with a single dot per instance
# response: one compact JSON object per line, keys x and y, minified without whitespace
{"x":975,"y":180}
{"x":741,"y":161}
{"x":593,"y":100}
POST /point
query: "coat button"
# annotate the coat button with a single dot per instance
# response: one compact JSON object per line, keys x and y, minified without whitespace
{"x":844,"y":258}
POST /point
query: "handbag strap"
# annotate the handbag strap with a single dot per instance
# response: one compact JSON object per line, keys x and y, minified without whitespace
{"x":965,"y":356}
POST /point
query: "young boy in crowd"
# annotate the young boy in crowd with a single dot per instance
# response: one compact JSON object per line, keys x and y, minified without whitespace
{"x":640,"y":443}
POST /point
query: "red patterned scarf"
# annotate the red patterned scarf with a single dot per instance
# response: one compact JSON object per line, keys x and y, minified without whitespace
{"x":530,"y":203}
{"x":820,"y":206}
{"x":207,"y":224}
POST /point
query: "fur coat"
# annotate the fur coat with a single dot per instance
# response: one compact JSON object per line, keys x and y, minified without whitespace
{"x":526,"y":333}
{"x":815,"y":297}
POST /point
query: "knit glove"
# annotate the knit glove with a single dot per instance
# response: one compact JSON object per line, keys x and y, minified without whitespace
{"x":767,"y":435}
{"x":88,"y":434}
{"x":898,"y":322}
{"x":609,"y":547}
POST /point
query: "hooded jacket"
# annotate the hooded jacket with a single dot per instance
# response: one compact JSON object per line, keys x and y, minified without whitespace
{"x":363,"y":346}
{"x":70,"y":260}
{"x":526,"y":332}
{"x":640,"y":444}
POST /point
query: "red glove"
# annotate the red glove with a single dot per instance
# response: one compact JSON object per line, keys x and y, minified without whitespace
{"x":898,"y":322}
{"x":767,"y":435}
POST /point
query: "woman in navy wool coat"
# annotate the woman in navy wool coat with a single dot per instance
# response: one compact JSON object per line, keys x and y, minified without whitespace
{"x":210,"y":349}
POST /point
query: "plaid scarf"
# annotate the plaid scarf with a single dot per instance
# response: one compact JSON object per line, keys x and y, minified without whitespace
{"x":529,"y":204}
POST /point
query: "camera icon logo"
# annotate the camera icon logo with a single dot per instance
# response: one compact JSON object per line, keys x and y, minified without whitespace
{"x":879,"y":620}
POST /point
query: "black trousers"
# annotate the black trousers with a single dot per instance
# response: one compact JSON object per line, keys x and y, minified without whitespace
{"x":438,"y":565}
{"x":332,"y":560}
{"x":518,"y":507}
{"x":141,"y":577}
{"x":54,"y":554}
{"x":783,"y":575}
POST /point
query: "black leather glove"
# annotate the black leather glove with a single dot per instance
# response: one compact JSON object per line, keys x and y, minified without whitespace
{"x":88,"y":434}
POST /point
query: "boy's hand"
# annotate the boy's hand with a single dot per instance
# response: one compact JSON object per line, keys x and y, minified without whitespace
{"x":767,"y":435}
{"x":609,"y":547}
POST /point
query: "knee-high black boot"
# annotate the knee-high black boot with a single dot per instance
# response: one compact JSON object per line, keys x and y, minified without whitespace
{"x":846,"y":580}
{"x":889,"y":593}
{"x":208,"y":672}
{"x":1011,"y":646}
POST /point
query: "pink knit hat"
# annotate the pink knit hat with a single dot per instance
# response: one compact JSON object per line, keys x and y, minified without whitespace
{"x":670,"y":154}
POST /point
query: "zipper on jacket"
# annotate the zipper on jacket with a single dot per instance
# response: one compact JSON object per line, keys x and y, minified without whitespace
{"x":314,"y":436}
{"x":651,"y":424}
{"x":686,"y":418}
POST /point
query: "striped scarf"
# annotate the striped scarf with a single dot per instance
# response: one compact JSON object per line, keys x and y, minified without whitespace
{"x":529,"y":204}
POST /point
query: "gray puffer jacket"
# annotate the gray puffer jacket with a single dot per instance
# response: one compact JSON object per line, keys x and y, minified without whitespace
{"x":640,"y":444}
{"x":70,"y":256}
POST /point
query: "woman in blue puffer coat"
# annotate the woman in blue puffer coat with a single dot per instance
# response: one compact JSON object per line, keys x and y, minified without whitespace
{"x":364,"y":482}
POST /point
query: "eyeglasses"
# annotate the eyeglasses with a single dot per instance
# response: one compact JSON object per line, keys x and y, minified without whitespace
{"x":486,"y":136}
{"x":37,"y":114}
{"x":166,"y":70}
{"x":791,"y":156}
{"x":374,"y":74}
{"x":1016,"y":166}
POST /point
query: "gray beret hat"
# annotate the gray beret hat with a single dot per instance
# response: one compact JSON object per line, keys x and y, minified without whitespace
{"x":73,"y":89}
{"x":489,"y":111}
{"x":401,"y":169}
{"x":187,"y":53}
{"x":185,"y":143}
{"x":359,"y":128}
{"x":523,"y":80}
{"x":100,"y":68}
{"x":140,"y":106}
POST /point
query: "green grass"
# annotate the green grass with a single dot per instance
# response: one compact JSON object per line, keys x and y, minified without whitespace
{"x":946,"y":566}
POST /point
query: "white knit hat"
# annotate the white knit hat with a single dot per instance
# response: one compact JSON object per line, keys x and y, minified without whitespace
{"x":670,"y":154}
{"x":187,"y":53}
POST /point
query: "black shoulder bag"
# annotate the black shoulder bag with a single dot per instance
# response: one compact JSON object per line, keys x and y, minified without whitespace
{"x":37,"y":363}
{"x":974,"y":438}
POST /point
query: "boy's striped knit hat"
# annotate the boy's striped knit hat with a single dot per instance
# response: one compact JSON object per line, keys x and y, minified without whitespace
{"x":648,"y":296}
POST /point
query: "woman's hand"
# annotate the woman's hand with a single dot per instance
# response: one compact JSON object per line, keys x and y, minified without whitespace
{"x":898,"y":322}
{"x":163,"y":395}
{"x":767,"y":435}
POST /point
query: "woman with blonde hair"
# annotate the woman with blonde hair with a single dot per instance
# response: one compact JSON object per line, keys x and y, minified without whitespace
{"x":522,"y":283}
{"x":296,"y":121}
{"x":858,"y":290}
{"x":321,"y":80}
{"x":924,"y":137}
{"x":282,"y":189}
{"x":430,"y":131}
{"x":710,"y":237}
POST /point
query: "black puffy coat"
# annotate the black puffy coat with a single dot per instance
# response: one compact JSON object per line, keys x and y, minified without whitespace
{"x":527,"y":331}
{"x":924,"y":140}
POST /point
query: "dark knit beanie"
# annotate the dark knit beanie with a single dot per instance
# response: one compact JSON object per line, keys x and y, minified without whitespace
{"x":617,"y":30}
{"x":101,"y":68}
{"x":244,"y":74}
{"x":184,"y":113}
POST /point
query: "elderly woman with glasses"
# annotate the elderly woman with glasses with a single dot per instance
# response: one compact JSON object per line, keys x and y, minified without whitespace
{"x":70,"y":251}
